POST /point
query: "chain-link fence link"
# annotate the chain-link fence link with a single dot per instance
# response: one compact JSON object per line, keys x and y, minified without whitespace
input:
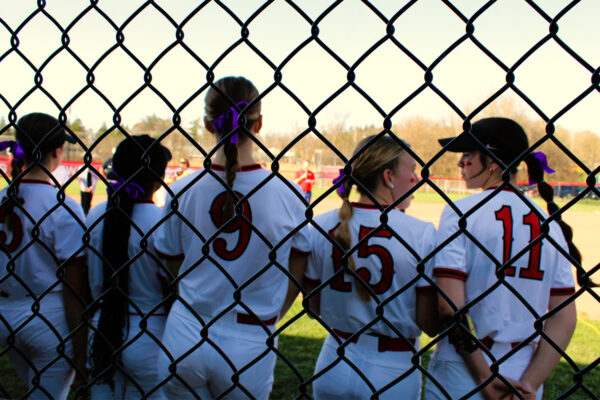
{"x":33,"y":307}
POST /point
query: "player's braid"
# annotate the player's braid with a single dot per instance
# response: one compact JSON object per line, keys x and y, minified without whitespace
{"x":344,"y":237}
{"x":225,"y":94}
{"x":536,"y":173}
{"x":231,"y":167}
{"x":114,"y":306}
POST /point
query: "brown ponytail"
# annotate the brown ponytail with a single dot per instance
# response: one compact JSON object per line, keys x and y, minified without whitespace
{"x":375,"y":154}
{"x":220,"y":98}
{"x":344,"y":238}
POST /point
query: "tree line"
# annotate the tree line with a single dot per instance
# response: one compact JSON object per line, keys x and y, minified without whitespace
{"x":194,"y":142}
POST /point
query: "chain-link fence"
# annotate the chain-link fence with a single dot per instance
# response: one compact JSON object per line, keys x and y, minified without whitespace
{"x":237,"y":337}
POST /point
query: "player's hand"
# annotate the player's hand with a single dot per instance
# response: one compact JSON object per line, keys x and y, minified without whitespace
{"x":499,"y":390}
{"x":525,"y":390}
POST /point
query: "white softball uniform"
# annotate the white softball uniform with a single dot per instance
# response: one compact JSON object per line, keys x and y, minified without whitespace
{"x":31,"y":275}
{"x":145,"y":292}
{"x":387,"y":260}
{"x":244,"y":260}
{"x":504,"y":226}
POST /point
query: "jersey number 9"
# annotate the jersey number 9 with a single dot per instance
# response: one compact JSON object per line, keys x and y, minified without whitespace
{"x":237,"y":224}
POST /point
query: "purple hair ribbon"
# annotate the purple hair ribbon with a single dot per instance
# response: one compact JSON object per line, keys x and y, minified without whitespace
{"x":543,"y":163}
{"x":340,"y":177}
{"x":132,"y":189}
{"x":230,"y":115}
{"x":15,"y":148}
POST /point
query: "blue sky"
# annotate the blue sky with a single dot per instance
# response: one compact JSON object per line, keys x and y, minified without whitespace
{"x":508,"y":28}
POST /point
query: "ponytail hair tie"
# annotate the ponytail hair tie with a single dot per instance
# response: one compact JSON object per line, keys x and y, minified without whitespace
{"x":231,"y":115}
{"x":132,"y":189}
{"x":341,"y":177}
{"x":15,"y":148}
{"x":540,"y":158}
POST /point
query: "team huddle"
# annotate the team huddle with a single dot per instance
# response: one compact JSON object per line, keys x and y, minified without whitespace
{"x":182,"y":301}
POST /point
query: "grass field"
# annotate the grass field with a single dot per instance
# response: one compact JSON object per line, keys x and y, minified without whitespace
{"x":301,"y":342}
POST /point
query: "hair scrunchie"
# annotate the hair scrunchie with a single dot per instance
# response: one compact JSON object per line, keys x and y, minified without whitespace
{"x":230,"y":115}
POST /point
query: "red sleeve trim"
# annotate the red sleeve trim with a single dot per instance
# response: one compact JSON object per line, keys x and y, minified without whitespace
{"x":449,"y":273}
{"x":315,"y":282}
{"x":423,"y":289}
{"x":169,"y":256}
{"x":562,"y":291}
{"x":299,"y":252}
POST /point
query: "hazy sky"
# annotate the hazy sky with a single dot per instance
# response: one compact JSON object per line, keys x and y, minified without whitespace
{"x":508,"y":28}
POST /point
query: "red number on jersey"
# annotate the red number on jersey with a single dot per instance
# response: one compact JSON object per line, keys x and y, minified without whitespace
{"x":504,"y":214}
{"x":238,"y":224}
{"x":17,"y":233}
{"x":338,"y":283}
{"x":532,"y":271}
{"x":387,"y":263}
{"x":364,"y":251}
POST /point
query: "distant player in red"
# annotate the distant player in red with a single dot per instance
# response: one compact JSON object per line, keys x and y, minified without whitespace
{"x":229,"y":260}
{"x":306,"y":179}
{"x":40,"y":239}
{"x":392,"y":265}
{"x":519,"y":253}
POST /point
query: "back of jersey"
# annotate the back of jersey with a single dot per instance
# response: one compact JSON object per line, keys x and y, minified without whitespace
{"x":386,"y":259}
{"x":44,"y":234}
{"x":509,"y":232}
{"x":246,"y":255}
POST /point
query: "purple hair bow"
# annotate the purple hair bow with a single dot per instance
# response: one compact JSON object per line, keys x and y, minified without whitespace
{"x":340,"y":177}
{"x":230,"y":115}
{"x":15,"y":148}
{"x":132,"y":189}
{"x":543,"y":163}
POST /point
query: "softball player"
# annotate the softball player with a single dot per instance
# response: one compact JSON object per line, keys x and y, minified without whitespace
{"x":40,"y":238}
{"x":390,"y":259}
{"x":116,"y":236}
{"x":232,"y":283}
{"x":505,"y":224}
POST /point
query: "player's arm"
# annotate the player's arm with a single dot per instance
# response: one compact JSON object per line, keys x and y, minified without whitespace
{"x":427,"y":311}
{"x":76,"y":295}
{"x":297,"y":265}
{"x":559,"y":328}
{"x":473,"y":356}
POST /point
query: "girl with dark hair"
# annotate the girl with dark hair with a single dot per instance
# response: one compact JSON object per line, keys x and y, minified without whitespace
{"x":126,"y":275}
{"x":228,"y":236}
{"x":508,"y":252}
{"x":387,"y":270}
{"x":40,"y":239}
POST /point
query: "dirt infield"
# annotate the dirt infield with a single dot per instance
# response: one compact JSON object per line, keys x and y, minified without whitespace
{"x":585,"y":225}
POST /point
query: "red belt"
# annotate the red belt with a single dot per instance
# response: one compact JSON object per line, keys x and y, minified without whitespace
{"x":384,"y":343}
{"x":489,"y":342}
{"x":248,"y":319}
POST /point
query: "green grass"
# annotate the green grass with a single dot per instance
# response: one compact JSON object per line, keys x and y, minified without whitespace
{"x":301,"y":342}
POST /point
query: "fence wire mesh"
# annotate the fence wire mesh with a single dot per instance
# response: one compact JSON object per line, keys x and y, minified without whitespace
{"x":20,"y":324}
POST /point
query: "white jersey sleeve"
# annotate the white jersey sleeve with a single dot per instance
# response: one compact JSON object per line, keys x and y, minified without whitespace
{"x":313,"y":269}
{"x":68,"y":225}
{"x":451,"y":260}
{"x":168,"y":240}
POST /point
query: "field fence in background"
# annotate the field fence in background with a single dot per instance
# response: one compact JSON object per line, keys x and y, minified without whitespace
{"x":442,"y":186}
